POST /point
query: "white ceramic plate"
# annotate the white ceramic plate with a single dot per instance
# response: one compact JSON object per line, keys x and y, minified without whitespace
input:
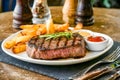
{"x":90,"y":55}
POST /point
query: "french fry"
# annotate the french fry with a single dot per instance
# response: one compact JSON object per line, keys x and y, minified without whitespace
{"x":9,"y":44}
{"x":35,"y":26}
{"x":26,"y":26}
{"x":20,"y":47}
{"x":78,"y":26}
{"x":26,"y":32}
{"x":20,"y":34}
{"x":41,"y":30}
{"x":23,"y":39}
{"x":61,"y":28}
{"x":50,"y":27}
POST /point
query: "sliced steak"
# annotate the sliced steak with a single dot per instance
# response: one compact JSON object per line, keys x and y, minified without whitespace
{"x":61,"y":47}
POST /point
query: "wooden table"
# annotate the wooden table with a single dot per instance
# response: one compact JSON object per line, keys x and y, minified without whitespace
{"x":106,"y":21}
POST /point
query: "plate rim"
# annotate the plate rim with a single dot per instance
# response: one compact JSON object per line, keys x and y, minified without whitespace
{"x":54,"y":62}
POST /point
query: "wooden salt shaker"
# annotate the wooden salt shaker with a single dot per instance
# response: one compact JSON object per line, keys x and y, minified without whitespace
{"x":22,"y":14}
{"x":69,"y":10}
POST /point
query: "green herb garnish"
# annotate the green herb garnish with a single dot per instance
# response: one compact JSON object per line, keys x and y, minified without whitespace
{"x":56,"y":35}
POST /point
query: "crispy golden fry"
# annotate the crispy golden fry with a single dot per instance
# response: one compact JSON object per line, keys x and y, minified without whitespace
{"x":78,"y":26}
{"x":35,"y":26}
{"x":9,"y":44}
{"x":20,"y":34}
{"x":26,"y":26}
{"x":50,"y":27}
{"x":34,"y":30}
{"x":41,"y":30}
{"x":62,"y":27}
{"x":26,"y":32}
{"x":20,"y":47}
{"x":23,"y":39}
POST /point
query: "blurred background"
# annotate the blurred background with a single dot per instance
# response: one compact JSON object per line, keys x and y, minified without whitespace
{"x":8,"y":5}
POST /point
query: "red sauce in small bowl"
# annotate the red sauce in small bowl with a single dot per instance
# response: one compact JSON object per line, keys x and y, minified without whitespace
{"x":96,"y":38}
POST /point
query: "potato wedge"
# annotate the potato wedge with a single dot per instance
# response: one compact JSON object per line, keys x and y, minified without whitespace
{"x":35,"y":26}
{"x":78,"y":26}
{"x":9,"y":44}
{"x":41,"y":30}
{"x":50,"y":27}
{"x":23,"y":39}
{"x":26,"y":32}
{"x":26,"y":26}
{"x":20,"y":47}
{"x":61,"y":27}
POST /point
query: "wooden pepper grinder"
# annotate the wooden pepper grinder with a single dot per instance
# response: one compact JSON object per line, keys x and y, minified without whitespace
{"x":22,"y":14}
{"x":69,"y":10}
{"x":84,"y":13}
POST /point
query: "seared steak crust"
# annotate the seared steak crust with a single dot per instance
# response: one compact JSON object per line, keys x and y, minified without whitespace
{"x":61,"y":47}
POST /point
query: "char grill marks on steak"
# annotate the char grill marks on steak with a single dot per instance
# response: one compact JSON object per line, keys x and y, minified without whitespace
{"x":54,"y":43}
{"x":61,"y":47}
{"x":39,"y":42}
{"x":69,"y":42}
{"x":62,"y":42}
{"x":45,"y":44}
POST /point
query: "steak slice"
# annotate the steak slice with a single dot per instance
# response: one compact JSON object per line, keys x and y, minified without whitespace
{"x":58,"y":48}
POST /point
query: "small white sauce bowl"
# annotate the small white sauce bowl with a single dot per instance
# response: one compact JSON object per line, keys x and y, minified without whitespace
{"x":96,"y":46}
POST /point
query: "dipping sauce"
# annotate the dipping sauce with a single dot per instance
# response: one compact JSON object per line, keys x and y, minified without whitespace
{"x":84,"y":34}
{"x":96,"y":38}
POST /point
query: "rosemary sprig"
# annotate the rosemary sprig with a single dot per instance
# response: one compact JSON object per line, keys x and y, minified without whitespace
{"x":56,"y":35}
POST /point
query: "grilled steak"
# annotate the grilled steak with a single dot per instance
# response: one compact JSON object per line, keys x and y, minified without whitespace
{"x":61,"y":47}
